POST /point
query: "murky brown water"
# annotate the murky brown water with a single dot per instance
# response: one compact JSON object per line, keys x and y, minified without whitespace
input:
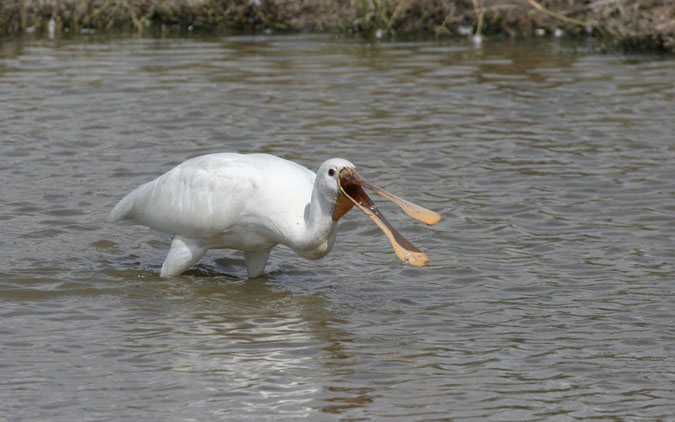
{"x":550,"y":292}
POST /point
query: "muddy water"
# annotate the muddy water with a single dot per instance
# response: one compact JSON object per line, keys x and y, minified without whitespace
{"x":549,"y":294}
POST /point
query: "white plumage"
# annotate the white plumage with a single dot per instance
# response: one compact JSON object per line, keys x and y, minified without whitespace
{"x":251,"y":203}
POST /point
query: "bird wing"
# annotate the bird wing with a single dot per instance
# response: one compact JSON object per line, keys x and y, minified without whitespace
{"x":198,"y":198}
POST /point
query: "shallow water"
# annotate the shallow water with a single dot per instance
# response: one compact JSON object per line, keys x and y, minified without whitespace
{"x":549,"y":292}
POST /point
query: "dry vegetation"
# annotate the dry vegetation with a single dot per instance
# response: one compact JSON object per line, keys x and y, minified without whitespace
{"x":636,"y":24}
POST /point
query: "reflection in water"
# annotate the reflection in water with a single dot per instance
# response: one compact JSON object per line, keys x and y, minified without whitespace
{"x":549,"y":288}
{"x":267,"y":349}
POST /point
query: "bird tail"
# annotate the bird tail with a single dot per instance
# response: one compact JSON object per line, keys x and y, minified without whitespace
{"x":122,"y":209}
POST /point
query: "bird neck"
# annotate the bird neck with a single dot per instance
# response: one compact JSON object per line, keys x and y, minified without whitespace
{"x":318,"y":234}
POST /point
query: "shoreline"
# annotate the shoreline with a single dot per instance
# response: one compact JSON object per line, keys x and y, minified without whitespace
{"x":629,"y":25}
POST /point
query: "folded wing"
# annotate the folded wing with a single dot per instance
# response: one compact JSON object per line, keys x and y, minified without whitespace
{"x":198,"y":198}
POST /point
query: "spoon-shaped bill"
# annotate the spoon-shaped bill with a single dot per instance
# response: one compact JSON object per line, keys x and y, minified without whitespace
{"x":351,"y":176}
{"x":405,"y":251}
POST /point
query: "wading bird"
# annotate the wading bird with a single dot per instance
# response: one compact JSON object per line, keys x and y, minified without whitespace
{"x":253,"y":202}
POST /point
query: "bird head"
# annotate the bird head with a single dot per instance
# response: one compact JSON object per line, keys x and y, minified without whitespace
{"x":340,"y":179}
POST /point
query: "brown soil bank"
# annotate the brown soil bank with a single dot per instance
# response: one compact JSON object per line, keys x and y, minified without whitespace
{"x":629,"y":24}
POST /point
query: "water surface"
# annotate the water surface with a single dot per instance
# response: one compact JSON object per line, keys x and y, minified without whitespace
{"x":549,"y":292}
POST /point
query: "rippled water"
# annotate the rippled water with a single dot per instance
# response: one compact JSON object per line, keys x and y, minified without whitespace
{"x":549,"y":293}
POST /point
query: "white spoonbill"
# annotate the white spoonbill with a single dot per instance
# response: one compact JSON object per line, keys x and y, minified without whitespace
{"x":252,"y":202}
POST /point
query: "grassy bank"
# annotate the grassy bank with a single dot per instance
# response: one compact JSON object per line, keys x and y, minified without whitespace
{"x":629,"y":24}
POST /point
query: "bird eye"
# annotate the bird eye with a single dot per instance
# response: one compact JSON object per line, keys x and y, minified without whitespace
{"x":331,"y":172}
